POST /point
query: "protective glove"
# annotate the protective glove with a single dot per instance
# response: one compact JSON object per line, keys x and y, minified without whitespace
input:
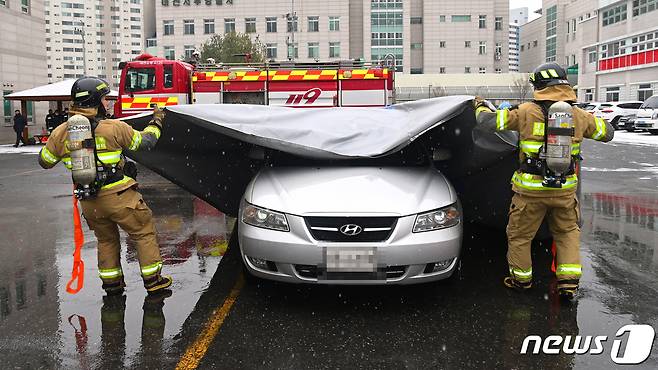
{"x":480,"y":102}
{"x":158,"y":116}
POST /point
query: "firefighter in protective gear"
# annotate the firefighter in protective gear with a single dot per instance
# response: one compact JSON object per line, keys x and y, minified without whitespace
{"x":115,"y":201}
{"x":535,"y":197}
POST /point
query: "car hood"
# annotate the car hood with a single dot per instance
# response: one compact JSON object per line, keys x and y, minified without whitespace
{"x":645,"y":113}
{"x":350,"y":190}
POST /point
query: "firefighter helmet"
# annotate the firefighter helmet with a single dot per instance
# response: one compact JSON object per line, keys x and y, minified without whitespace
{"x":548,"y":74}
{"x":87,"y":92}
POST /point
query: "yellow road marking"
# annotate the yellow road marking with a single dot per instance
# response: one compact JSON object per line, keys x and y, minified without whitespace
{"x":197,"y":350}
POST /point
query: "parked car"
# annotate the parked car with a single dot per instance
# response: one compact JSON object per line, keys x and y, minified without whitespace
{"x":647,"y":115}
{"x":592,"y":107}
{"x":613,"y":111}
{"x":627,"y":123}
{"x":389,"y":220}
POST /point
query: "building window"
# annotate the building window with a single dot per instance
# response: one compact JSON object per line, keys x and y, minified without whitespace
{"x":293,"y":51}
{"x":229,"y":25}
{"x":151,"y":43}
{"x":386,"y":39}
{"x":169,"y":53}
{"x":589,"y":95}
{"x":271,"y":24}
{"x":250,"y":25}
{"x":499,"y":70}
{"x":522,"y":47}
{"x":460,"y":18}
{"x":644,"y":92}
{"x":499,"y":51}
{"x":209,"y":26}
{"x":334,"y":23}
{"x":3,"y":3}
{"x":467,"y":69}
{"x":499,"y":23}
{"x":644,"y":6}
{"x":270,"y":51}
{"x":314,"y":50}
{"x":292,"y":23}
{"x":313,"y":24}
{"x":551,"y":33}
{"x":419,"y":45}
{"x":168,"y":27}
{"x":612,"y":94}
{"x":442,"y":18}
{"x":573,"y":25}
{"x":482,"y":48}
{"x":188,"y":26}
{"x":334,"y":50}
{"x":25,"y":6}
{"x":442,"y":44}
{"x":534,"y":43}
{"x":482,"y":21}
{"x":467,"y":44}
{"x":591,"y":56}
{"x":614,"y":15}
{"x":416,"y":71}
{"x":416,"y":20}
{"x":442,"y":70}
{"x":189,"y":51}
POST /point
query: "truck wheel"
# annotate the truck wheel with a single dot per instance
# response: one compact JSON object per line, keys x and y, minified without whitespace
{"x":653,"y":132}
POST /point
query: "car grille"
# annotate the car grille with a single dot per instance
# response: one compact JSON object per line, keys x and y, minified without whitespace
{"x":313,"y":272}
{"x":374,"y":229}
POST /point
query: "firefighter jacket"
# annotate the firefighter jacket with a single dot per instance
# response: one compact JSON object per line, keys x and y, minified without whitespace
{"x":528,"y":120}
{"x":112,"y":137}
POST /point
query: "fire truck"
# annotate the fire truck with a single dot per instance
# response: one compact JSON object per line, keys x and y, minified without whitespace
{"x":149,"y":80}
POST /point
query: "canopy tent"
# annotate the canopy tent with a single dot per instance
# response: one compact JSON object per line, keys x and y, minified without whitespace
{"x":58,"y":91}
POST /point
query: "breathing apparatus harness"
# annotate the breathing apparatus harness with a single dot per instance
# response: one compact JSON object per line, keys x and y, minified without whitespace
{"x":555,"y":161}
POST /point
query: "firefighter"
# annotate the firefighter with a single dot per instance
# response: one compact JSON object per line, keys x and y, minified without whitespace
{"x":546,"y":181}
{"x":108,"y":197}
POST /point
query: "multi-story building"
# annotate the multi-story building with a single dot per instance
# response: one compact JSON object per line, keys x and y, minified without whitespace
{"x":622,"y":63}
{"x":424,"y":36}
{"x":92,"y":37}
{"x":608,"y":46}
{"x":517,"y":18}
{"x":22,"y":59}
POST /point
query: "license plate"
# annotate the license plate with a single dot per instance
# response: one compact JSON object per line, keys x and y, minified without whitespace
{"x":340,"y":259}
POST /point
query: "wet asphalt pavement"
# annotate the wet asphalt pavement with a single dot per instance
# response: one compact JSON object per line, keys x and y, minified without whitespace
{"x":214,"y":319}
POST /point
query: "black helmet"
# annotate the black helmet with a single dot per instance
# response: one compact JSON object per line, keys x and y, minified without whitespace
{"x":88,"y":91}
{"x":548,"y":74}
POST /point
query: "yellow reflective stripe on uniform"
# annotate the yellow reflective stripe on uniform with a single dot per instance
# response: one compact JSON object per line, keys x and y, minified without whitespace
{"x":575,"y":148}
{"x":67,"y":162}
{"x":531,"y":146}
{"x":48,"y":157}
{"x":569,"y":269}
{"x":156,"y":131}
{"x":110,"y":157}
{"x":538,"y":129}
{"x":117,"y":183}
{"x":501,"y":119}
{"x":151,"y":269}
{"x":110,"y":273}
{"x":600,"y":129}
{"x":521,"y":275}
{"x":137,"y":139}
{"x":533,"y":182}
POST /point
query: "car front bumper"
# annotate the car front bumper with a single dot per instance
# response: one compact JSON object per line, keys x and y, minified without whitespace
{"x":403,"y":258}
{"x":646,"y":123}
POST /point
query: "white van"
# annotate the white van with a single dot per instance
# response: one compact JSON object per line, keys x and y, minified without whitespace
{"x":647,"y":116}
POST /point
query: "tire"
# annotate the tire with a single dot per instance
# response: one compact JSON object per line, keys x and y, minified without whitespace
{"x":615,"y":122}
{"x":653,"y":132}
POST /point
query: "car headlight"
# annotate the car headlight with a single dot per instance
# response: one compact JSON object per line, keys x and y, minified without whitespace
{"x":437,"y":219}
{"x":265,"y":218}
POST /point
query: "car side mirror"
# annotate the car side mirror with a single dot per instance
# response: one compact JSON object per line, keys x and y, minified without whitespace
{"x":441,"y":154}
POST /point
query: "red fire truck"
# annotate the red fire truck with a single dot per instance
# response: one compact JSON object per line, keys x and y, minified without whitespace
{"x":150,"y":80}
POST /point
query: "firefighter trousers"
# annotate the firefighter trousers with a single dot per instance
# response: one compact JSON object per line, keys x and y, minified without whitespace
{"x":525,"y":216}
{"x":125,"y":209}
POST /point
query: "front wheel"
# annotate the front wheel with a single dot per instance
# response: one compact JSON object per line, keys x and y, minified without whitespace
{"x":653,"y":132}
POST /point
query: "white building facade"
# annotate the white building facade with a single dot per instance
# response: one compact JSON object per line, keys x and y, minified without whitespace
{"x":423,"y":36}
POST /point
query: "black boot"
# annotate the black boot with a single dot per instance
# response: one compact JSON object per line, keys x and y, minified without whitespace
{"x":157,"y":283}
{"x":115,"y":287}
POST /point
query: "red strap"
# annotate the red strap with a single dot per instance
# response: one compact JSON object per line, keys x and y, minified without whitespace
{"x":554,"y":252}
{"x":78,"y":272}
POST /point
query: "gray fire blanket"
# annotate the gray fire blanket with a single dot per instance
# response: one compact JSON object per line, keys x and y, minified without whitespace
{"x":207,"y":149}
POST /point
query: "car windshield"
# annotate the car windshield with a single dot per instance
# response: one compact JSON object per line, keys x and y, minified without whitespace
{"x":651,"y":103}
{"x":589,"y":107}
{"x":605,"y":105}
{"x":411,"y":156}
